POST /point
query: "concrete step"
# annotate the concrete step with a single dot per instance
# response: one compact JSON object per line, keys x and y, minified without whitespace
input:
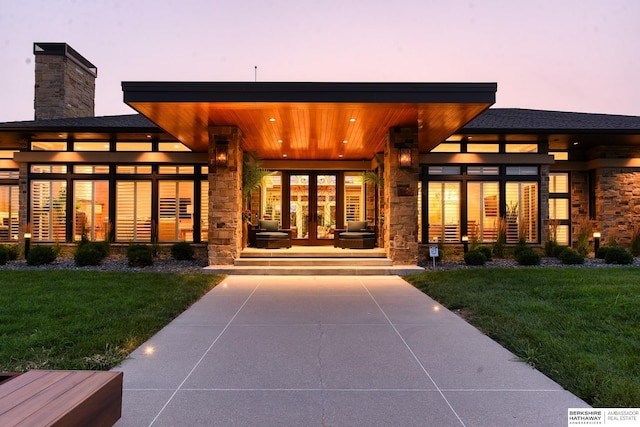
{"x":313,"y":262}
{"x":394,"y":270}
{"x":312,"y":252}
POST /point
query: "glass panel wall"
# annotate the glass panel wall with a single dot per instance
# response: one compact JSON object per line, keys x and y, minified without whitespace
{"x":483,"y":214}
{"x":271,"y":197}
{"x":326,"y":205}
{"x":9,"y":222}
{"x":48,"y":211}
{"x":204,"y":211}
{"x":299,"y":206}
{"x":522,"y":211}
{"x":91,"y":201}
{"x":176,"y":211}
{"x":559,"y":207}
{"x":353,"y":197}
{"x":444,"y":211}
{"x":133,"y":211}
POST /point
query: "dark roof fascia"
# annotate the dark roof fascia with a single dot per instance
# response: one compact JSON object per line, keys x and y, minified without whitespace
{"x":308,"y":92}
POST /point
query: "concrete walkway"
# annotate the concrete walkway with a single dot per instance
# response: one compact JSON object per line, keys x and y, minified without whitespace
{"x":330,"y":351}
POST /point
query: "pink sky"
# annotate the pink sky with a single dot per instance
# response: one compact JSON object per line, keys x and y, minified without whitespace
{"x":566,"y":55}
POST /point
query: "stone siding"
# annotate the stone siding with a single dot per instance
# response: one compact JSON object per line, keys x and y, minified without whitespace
{"x":579,"y":202}
{"x":618,"y":203}
{"x":401,"y":198}
{"x":63,"y":89}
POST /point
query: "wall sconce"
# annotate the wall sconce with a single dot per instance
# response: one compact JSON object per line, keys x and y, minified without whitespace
{"x":222,"y":154}
{"x":404,"y":157}
{"x":596,"y":242}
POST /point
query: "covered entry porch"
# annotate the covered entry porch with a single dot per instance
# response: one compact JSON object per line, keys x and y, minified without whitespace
{"x":312,"y":130}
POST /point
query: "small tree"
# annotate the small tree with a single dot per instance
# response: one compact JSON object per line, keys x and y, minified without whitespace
{"x":583,"y":247}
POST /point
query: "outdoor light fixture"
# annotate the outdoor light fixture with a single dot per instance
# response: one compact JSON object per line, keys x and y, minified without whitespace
{"x":404,"y":157}
{"x":222,"y":154}
{"x":27,"y":244}
{"x":596,"y":242}
{"x":465,"y":243}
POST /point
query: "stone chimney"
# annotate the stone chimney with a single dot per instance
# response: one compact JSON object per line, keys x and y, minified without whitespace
{"x":65,"y":82}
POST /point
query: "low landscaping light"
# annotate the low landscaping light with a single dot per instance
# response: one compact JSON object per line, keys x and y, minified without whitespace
{"x":27,"y":244}
{"x":465,"y":243}
{"x":596,"y":242}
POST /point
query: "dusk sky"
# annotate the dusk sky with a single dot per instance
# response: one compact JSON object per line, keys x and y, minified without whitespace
{"x":565,"y":55}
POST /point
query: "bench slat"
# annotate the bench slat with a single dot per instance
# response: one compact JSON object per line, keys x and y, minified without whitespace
{"x":64,"y":398}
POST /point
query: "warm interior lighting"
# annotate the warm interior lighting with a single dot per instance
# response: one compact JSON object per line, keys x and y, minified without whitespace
{"x":344,"y":141}
{"x":340,"y":155}
{"x":404,"y":157}
{"x":352,"y":119}
{"x":284,"y":155}
{"x":272,"y":119}
{"x":280,"y":141}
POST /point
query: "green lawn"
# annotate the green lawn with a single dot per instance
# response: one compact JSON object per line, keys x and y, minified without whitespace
{"x":580,"y":326}
{"x":87,"y":320}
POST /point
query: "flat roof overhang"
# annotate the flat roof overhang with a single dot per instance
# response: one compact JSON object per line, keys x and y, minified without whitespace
{"x":309,"y":121}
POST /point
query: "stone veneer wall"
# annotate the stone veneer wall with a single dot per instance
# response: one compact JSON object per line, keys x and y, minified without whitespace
{"x":618,"y":203}
{"x":63,"y":88}
{"x":401,"y":198}
{"x":225,"y":199}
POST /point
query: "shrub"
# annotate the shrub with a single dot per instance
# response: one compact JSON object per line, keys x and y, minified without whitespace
{"x":140,"y":255}
{"x":40,"y":255}
{"x":550,"y":247}
{"x":558,"y":250}
{"x":88,"y":255}
{"x":182,"y":251}
{"x":519,"y":248}
{"x":475,"y":257}
{"x":103,"y":246}
{"x":602,"y":252}
{"x":486,"y":251}
{"x":4,"y":255}
{"x":528,"y":257}
{"x":618,"y":255}
{"x":569,"y":256}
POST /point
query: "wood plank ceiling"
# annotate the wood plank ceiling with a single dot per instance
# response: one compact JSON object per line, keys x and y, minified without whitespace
{"x":309,"y":131}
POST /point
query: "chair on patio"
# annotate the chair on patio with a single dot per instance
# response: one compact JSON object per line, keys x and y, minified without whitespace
{"x":269,"y":235}
{"x":357,"y":235}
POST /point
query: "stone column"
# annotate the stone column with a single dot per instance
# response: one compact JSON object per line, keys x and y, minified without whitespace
{"x":401,"y":197}
{"x":225,"y":197}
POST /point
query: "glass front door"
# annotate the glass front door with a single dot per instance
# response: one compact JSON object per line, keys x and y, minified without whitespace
{"x":312,"y":207}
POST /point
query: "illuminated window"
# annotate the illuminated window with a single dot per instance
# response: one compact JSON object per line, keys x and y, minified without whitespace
{"x":354,"y":197}
{"x":559,"y":208}
{"x":9,"y":223}
{"x":48,"y":146}
{"x":91,"y":201}
{"x":559,"y":155}
{"x":204,"y":211}
{"x":521,"y":148}
{"x":176,"y":170}
{"x":271,"y":197}
{"x":133,"y":146}
{"x":8,"y":154}
{"x":483,"y":170}
{"x":91,"y":146}
{"x":483,"y":213}
{"x":48,"y":169}
{"x":482,"y":148}
{"x":48,"y":211}
{"x":91,"y":169}
{"x":558,"y":183}
{"x":133,"y":169}
{"x":176,"y":211}
{"x":522,"y":211}
{"x":419,"y":211}
{"x":9,"y":174}
{"x":133,"y":211}
{"x":444,"y":211}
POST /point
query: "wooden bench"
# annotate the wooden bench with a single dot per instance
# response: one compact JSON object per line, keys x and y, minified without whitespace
{"x":61,"y":398}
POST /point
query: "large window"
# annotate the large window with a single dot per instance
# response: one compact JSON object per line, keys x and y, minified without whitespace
{"x":48,"y":211}
{"x":176,"y":211}
{"x":559,"y":202}
{"x":354,"y":197}
{"x":271,"y":197}
{"x":444,"y":211}
{"x":522,"y":211}
{"x":204,"y":211}
{"x":133,"y":211}
{"x":483,"y":210}
{"x":91,"y":201}
{"x":9,"y":223}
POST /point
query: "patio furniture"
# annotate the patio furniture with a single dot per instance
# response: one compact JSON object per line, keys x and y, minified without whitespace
{"x":357,"y":235}
{"x":269,"y":235}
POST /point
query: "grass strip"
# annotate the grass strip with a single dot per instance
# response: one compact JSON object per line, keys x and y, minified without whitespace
{"x":60,"y":319}
{"x":580,"y":327}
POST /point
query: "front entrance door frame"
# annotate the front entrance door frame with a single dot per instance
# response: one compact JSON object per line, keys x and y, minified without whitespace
{"x":312,"y":238}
